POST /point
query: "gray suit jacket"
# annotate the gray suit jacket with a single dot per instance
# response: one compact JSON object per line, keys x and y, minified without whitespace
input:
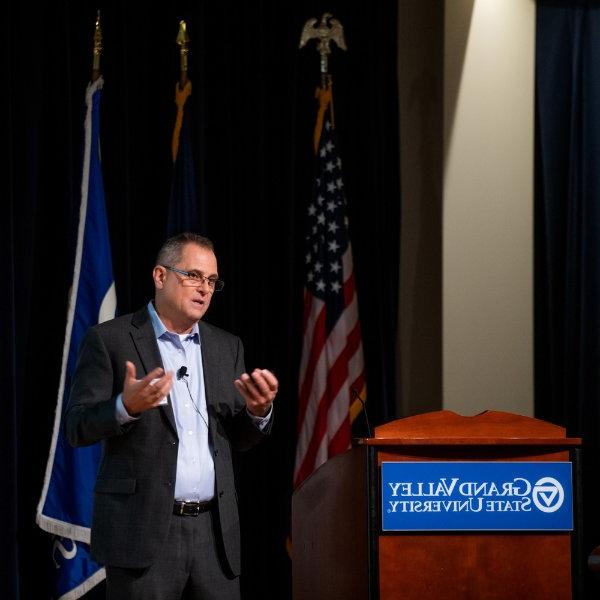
{"x":136,"y":480}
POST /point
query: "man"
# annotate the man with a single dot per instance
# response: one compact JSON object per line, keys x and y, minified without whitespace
{"x":160,"y":388}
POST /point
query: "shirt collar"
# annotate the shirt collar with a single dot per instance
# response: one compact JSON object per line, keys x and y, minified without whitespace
{"x":160,"y":329}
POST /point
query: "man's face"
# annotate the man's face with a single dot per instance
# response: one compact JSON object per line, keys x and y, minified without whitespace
{"x":178,"y":303}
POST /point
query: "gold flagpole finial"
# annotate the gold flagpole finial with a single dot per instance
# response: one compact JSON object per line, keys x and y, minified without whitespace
{"x":183,"y":41}
{"x":328,"y":30}
{"x":97,"y":48}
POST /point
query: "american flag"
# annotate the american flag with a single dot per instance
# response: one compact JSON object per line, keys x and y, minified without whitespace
{"x":332,"y":367}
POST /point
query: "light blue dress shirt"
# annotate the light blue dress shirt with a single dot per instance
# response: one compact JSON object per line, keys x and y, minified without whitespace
{"x":195,"y":478}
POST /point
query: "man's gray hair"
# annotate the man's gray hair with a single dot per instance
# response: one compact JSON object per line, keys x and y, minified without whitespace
{"x":171,"y":251}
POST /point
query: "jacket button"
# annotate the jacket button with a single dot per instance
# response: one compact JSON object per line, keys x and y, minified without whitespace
{"x":220,"y":494}
{"x":172,"y":443}
{"x":216,"y":453}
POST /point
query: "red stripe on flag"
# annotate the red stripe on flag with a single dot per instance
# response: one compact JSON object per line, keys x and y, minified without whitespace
{"x":341,"y":440}
{"x":319,"y":338}
{"x":338,"y":371}
{"x":337,"y":375}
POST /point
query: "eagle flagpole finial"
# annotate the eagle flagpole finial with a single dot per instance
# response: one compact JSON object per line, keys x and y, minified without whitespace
{"x":328,"y":30}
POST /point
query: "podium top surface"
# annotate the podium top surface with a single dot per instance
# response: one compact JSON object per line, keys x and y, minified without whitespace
{"x":445,"y":427}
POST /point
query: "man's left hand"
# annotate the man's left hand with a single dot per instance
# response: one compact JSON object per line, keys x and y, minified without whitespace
{"x":258,"y":390}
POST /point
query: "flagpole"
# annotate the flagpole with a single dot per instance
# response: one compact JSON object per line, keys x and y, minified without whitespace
{"x":181,"y":93}
{"x":183,"y":41}
{"x":328,"y":30}
{"x":97,"y":49}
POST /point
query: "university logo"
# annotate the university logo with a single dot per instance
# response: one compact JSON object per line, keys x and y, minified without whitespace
{"x":476,"y":496}
{"x":548,"y":494}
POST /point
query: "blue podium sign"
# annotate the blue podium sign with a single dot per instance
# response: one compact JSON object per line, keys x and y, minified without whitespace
{"x":476,"y":496}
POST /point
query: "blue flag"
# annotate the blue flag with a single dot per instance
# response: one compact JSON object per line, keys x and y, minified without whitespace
{"x":65,"y":506}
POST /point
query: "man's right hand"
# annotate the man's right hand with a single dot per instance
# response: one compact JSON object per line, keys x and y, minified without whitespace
{"x":140,"y":395}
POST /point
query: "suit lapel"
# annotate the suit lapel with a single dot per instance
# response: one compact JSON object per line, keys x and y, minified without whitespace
{"x":210,"y":367}
{"x":145,"y":343}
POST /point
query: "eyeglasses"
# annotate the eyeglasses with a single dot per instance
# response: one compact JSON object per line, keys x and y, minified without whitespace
{"x":195,"y":279}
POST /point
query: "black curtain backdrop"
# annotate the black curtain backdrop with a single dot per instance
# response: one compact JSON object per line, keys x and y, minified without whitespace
{"x":568,"y":236}
{"x":253,"y":112}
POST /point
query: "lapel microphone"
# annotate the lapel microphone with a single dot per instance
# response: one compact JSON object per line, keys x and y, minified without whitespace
{"x":181,"y":373}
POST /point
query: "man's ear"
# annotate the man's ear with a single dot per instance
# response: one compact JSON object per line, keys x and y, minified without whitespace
{"x":158,"y":274}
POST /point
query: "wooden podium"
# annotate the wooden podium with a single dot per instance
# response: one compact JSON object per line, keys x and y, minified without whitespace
{"x":339,"y":548}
